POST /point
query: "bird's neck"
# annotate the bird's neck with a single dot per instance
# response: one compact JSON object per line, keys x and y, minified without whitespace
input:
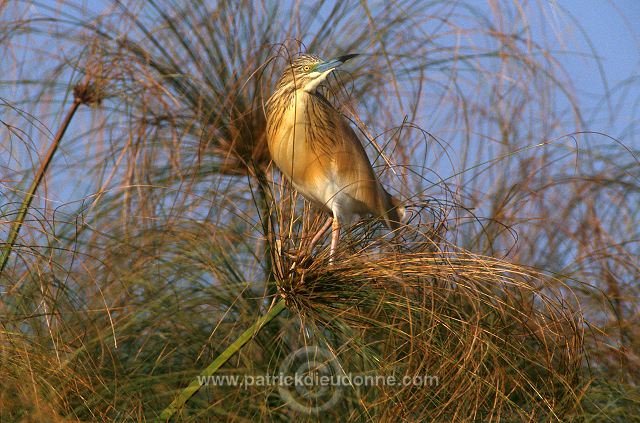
{"x":300,"y":102}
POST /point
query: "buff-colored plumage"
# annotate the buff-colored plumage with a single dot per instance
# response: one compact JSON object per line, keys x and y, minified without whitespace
{"x":314,"y":146}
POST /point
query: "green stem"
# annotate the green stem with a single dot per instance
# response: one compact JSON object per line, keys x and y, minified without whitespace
{"x":195,"y":385}
{"x":24,"y":207}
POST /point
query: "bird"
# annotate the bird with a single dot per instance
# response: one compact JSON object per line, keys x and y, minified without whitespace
{"x":316,"y":149}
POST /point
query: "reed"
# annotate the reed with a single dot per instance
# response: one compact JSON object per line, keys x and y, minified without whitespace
{"x":152,"y":243}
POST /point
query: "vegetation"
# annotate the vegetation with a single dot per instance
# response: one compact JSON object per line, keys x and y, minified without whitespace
{"x":144,"y":230}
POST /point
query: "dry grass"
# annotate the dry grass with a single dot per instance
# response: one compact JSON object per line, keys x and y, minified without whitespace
{"x":500,"y":338}
{"x":160,"y":232}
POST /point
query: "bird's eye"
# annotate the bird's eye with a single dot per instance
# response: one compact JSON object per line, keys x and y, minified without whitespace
{"x":306,"y":68}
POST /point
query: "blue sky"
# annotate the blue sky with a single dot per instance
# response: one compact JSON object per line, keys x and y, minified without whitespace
{"x":610,"y":28}
{"x":613,"y":29}
{"x":614,"y":35}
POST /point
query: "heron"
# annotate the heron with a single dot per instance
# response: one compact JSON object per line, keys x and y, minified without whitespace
{"x":315,"y":148}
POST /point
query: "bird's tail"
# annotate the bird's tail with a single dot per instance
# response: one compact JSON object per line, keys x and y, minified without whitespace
{"x":393,"y":212}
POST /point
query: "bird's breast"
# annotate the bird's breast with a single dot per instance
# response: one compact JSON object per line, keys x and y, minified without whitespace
{"x":321,"y":155}
{"x":300,"y":139}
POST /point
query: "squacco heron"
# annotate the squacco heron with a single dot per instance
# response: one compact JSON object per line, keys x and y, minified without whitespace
{"x":314,"y":146}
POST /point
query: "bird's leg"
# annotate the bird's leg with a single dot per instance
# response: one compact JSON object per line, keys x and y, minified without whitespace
{"x":335,"y":234}
{"x":319,"y":234}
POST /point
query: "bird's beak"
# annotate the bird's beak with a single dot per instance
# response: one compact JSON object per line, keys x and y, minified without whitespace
{"x":333,"y":63}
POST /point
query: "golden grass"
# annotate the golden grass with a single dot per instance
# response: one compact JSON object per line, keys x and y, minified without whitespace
{"x":514,"y":283}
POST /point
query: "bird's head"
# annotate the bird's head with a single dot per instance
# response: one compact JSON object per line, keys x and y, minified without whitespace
{"x":307,"y":71}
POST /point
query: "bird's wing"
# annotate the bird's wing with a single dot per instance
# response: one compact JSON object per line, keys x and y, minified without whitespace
{"x":355,"y":172}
